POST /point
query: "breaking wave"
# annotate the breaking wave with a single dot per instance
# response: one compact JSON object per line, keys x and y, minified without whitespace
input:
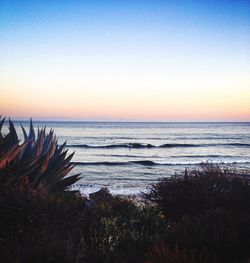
{"x":148,"y":145}
{"x":152,"y":163}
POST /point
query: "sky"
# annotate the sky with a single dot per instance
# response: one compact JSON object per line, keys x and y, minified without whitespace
{"x":137,"y":60}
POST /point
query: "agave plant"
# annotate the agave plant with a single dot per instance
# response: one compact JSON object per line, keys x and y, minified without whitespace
{"x":38,"y":160}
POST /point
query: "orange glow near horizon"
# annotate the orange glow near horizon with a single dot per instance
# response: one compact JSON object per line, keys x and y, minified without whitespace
{"x":125,"y":60}
{"x":160,"y":104}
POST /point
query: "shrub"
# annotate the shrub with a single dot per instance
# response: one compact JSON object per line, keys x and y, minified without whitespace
{"x":209,"y":217}
{"x":200,"y":190}
{"x":118,"y":230}
{"x":215,"y":236}
{"x":40,"y":228}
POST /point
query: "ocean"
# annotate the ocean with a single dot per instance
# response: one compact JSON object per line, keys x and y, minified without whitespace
{"x":127,"y":157}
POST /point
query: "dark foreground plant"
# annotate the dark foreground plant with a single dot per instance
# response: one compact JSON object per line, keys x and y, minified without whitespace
{"x":199,"y":190}
{"x":208,"y":211}
{"x":40,"y":228}
{"x":215,"y":236}
{"x":202,"y":216}
{"x":118,"y":230}
{"x":37,"y":162}
{"x":61,"y":228}
{"x":39,"y":222}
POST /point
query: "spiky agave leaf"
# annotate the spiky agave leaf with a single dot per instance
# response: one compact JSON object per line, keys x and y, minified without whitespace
{"x":1,"y":123}
{"x":39,"y":159}
{"x":24,"y":133}
{"x":8,"y":142}
{"x":57,"y":169}
{"x":11,"y":154}
{"x":32,"y":135}
{"x":13,"y":137}
{"x":66,"y":182}
{"x":54,"y":165}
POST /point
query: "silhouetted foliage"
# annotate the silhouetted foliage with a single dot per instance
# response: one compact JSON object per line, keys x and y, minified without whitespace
{"x":199,"y":190}
{"x":40,"y":228}
{"x":118,"y":230}
{"x":201,"y":216}
{"x":215,"y":236}
{"x":208,"y":211}
{"x":39,"y":162}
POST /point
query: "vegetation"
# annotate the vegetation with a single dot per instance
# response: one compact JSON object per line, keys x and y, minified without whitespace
{"x":118,"y":230}
{"x":208,"y":212}
{"x":40,"y":228}
{"x":200,"y":216}
{"x":37,"y":162}
{"x":197,"y":191}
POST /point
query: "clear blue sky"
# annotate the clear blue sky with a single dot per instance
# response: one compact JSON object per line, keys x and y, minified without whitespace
{"x":146,"y":60}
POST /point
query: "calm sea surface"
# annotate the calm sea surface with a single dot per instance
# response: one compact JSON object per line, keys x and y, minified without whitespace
{"x":128,"y":157}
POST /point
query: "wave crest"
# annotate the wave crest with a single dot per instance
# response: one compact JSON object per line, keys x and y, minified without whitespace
{"x":152,"y":163}
{"x":148,"y":145}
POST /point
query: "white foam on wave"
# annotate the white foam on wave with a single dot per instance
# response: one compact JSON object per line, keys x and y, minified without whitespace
{"x":88,"y":189}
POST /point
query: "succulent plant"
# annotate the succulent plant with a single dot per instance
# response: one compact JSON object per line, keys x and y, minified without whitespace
{"x":37,"y":160}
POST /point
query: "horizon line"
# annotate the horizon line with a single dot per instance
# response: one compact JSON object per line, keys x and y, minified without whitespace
{"x":126,"y":121}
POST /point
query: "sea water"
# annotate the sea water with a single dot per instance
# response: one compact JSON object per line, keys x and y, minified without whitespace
{"x":128,"y":157}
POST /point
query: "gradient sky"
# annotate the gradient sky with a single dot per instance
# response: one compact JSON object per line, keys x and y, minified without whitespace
{"x":125,"y":60}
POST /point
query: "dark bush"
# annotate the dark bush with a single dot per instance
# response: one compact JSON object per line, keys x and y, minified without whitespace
{"x":118,"y":230}
{"x":40,"y":228}
{"x":215,"y":236}
{"x":200,"y":190}
{"x":209,"y":217}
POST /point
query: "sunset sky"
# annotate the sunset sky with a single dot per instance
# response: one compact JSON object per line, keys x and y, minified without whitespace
{"x":125,"y":60}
